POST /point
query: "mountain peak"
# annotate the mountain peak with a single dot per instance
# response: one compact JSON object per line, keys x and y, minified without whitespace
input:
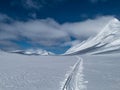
{"x":115,"y":20}
{"x":112,"y":27}
{"x":108,"y":39}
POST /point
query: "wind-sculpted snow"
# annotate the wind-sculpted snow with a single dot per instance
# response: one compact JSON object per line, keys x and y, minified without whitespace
{"x":107,"y":41}
{"x":75,"y":78}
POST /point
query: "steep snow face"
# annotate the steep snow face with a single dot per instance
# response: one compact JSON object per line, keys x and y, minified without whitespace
{"x":107,"y":40}
{"x":33,"y":52}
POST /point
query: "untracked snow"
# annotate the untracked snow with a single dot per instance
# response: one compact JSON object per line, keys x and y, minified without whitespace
{"x":21,"y":72}
{"x":102,"y":71}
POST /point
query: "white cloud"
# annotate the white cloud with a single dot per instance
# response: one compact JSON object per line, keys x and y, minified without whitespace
{"x":48,"y":32}
{"x":45,"y":32}
{"x":86,"y":28}
{"x":71,"y":43}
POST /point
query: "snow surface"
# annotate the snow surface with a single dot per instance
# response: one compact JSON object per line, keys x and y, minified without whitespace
{"x":107,"y":41}
{"x":21,"y":72}
{"x":75,"y":79}
{"x":102,"y":72}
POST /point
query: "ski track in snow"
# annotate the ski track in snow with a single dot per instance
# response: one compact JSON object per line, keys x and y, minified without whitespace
{"x":75,"y":79}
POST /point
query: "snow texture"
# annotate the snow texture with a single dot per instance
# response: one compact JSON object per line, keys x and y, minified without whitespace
{"x":23,"y":72}
{"x":75,"y":79}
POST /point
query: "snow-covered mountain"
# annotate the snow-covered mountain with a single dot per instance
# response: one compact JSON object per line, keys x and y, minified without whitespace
{"x":33,"y":52}
{"x":107,"y":41}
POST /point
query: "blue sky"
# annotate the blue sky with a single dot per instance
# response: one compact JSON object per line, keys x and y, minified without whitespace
{"x":53,"y":25}
{"x":60,"y":10}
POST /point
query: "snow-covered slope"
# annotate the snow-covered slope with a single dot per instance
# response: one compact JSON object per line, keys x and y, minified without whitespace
{"x":107,"y":41}
{"x":33,"y":52}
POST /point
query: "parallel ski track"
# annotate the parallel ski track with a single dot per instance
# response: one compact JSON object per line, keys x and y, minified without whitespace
{"x":72,"y":75}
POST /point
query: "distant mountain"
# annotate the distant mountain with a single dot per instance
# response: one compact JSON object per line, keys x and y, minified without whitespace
{"x":107,"y":41}
{"x":33,"y":52}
